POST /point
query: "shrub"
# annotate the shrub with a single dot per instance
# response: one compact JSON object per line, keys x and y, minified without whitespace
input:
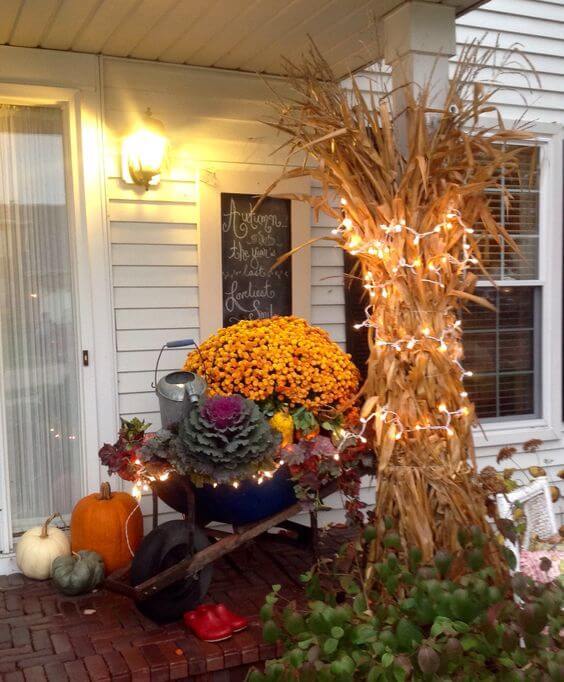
{"x":445,"y":621}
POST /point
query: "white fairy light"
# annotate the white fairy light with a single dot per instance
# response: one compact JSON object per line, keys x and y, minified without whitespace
{"x":434,"y":266}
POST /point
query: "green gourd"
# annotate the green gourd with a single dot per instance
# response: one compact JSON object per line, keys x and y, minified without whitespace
{"x":79,"y":573}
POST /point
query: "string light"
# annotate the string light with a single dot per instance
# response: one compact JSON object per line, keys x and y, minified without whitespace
{"x":395,"y":236}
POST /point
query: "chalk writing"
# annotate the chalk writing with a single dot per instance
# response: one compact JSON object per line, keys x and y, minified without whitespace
{"x":252,"y":241}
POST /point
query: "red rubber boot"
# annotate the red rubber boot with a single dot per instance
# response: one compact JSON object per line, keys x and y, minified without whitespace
{"x":207,"y":626}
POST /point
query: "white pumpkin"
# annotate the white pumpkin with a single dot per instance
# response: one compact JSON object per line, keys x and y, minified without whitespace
{"x":39,"y":547}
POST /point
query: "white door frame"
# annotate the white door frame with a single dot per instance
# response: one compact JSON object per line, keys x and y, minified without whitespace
{"x":91,"y":279}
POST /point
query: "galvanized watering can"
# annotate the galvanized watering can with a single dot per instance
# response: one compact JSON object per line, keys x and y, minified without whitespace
{"x":177,"y":391}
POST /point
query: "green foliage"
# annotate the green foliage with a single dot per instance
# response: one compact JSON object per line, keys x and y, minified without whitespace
{"x":417,"y":622}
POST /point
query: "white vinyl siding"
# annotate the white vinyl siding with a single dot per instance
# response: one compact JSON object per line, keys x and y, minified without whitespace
{"x":537,"y":26}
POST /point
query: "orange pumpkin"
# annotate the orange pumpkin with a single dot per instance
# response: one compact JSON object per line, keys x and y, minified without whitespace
{"x":98,"y":523}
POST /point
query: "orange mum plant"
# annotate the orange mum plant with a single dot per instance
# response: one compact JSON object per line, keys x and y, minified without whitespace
{"x":280,"y":362}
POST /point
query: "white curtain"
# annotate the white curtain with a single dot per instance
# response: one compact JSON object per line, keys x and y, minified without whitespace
{"x":38,"y":337}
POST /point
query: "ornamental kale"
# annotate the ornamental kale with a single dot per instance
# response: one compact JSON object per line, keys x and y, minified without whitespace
{"x":223,"y":439}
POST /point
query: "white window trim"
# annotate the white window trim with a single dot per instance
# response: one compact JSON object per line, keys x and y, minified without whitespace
{"x":548,"y":426}
{"x":89,"y":234}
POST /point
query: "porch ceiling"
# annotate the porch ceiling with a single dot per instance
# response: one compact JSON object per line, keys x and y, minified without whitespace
{"x":245,"y":35}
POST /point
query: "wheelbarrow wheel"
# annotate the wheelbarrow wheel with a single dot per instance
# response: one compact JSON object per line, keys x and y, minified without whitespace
{"x":162,"y":548}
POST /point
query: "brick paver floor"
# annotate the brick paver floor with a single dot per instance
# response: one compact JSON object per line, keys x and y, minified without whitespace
{"x":102,"y":636}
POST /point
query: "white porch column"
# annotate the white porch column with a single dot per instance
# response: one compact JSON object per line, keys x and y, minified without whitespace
{"x":418,"y":39}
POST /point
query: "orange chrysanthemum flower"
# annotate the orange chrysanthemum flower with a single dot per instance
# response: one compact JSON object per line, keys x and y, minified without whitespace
{"x":279,"y":357}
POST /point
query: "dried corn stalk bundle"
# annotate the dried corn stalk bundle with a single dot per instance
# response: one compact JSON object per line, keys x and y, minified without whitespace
{"x":412,"y":221}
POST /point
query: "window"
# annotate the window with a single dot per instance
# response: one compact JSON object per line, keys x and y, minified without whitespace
{"x":502,"y":348}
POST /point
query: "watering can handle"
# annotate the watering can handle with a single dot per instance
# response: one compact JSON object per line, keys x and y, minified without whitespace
{"x":180,"y":343}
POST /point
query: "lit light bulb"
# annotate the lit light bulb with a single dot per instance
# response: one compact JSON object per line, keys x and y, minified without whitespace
{"x":336,"y":457}
{"x":469,"y":373}
{"x":398,"y":435}
{"x":464,"y":394}
{"x":443,"y":347}
{"x":164,"y":476}
{"x":343,"y":201}
{"x":417,"y":263}
{"x":425,"y":331}
{"x":354,"y":241}
{"x":450,"y":432}
{"x":347,"y":223}
{"x":442,"y":407}
{"x":235,"y":484}
{"x":411,"y":343}
{"x":215,"y":485}
{"x":465,"y":411}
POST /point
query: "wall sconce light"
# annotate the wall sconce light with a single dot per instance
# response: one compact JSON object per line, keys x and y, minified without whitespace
{"x":143,"y":152}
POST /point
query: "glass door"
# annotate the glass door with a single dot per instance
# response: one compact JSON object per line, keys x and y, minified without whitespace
{"x":40,"y":450}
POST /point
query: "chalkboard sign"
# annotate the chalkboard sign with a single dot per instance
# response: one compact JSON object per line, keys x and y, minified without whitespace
{"x":252,"y":241}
